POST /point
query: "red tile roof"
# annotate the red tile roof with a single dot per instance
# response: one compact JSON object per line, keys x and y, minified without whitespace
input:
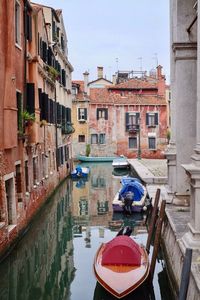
{"x":136,"y":83}
{"x":99,"y":96}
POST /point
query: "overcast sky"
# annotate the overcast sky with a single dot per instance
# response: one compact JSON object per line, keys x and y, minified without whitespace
{"x":115,"y":34}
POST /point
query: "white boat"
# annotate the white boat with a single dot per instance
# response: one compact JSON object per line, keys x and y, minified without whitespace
{"x":120,"y":163}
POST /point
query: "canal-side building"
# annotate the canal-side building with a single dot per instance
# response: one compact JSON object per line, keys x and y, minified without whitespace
{"x":130,"y":117}
{"x":36,"y":125}
{"x":80,"y":107}
{"x":183,"y":153}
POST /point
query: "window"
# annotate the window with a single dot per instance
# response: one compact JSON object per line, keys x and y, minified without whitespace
{"x":102,"y":138}
{"x":26,"y":170}
{"x":17,"y":23}
{"x":74,"y":90}
{"x":132,"y":143}
{"x":94,"y":139}
{"x":102,"y":113}
{"x":35,"y":170}
{"x":81,"y":138}
{"x":151,"y":119}
{"x":82,"y":114}
{"x":152,"y":143}
{"x":18,"y":182}
{"x":132,"y":121}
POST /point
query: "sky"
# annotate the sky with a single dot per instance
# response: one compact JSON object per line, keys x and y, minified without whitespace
{"x":115,"y":34}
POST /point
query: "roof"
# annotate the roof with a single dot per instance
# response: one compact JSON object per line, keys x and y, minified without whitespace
{"x":135,"y":83}
{"x":99,"y":80}
{"x":106,"y":97}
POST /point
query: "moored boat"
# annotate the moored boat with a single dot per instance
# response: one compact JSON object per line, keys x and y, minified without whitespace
{"x":80,"y":172}
{"x":96,"y":158}
{"x":132,"y":197}
{"x":120,"y":163}
{"x":121,"y":265}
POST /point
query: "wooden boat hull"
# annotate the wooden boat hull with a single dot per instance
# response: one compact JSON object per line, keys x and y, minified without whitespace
{"x":120,"y":280}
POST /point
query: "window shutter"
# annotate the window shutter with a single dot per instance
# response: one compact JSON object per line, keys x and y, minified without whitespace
{"x":147,"y":119}
{"x":54,"y":112}
{"x":63,"y":116}
{"x":97,"y":113}
{"x":79,"y":114}
{"x":63,"y":77}
{"x":127,"y":120}
{"x":137,"y":118}
{"x":85,"y":113}
{"x":46,"y":107}
{"x":40,"y":102}
{"x":68,"y":116}
{"x":30,"y":100}
{"x":51,"y":111}
{"x":29,"y":27}
{"x":59,"y":113}
{"x":106,"y":114}
{"x":44,"y":51}
{"x":156,"y":118}
{"x":49,"y":57}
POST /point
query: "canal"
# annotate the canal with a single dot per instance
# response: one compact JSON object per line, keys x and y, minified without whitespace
{"x":53,"y":261}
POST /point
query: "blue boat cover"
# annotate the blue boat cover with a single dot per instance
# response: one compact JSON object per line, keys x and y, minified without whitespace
{"x":78,"y":170}
{"x":133,"y":186}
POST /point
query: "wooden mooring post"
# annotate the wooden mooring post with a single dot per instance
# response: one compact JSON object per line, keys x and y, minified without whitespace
{"x":157,"y":238}
{"x":154,"y":216}
{"x":185,"y":275}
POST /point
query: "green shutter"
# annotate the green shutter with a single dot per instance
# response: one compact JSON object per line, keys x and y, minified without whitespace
{"x":127,"y":120}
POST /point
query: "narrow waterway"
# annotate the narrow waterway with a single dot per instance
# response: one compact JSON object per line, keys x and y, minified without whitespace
{"x":54,"y":259}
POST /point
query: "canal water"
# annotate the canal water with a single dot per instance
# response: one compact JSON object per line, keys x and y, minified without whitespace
{"x":54,"y":259}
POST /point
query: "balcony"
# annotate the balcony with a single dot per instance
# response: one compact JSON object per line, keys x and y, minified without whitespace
{"x":133,"y":128}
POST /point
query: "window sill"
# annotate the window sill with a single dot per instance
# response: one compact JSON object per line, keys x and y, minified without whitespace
{"x":18,"y":46}
{"x":11,"y":227}
{"x":151,"y":126}
{"x":2,"y":224}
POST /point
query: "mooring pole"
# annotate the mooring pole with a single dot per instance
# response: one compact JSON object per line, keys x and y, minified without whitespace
{"x":153,"y":220}
{"x":157,"y":238}
{"x":185,"y":275}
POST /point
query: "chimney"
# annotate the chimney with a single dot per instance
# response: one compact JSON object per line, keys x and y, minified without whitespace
{"x":99,"y":72}
{"x":114,"y":79}
{"x":86,"y":81}
{"x":159,"y":71}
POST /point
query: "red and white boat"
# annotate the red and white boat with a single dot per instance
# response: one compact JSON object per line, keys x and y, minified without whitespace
{"x":121,"y":265}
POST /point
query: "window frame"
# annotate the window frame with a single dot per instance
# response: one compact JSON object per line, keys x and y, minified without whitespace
{"x":17,"y":23}
{"x":152,"y":138}
{"x":81,"y":135}
{"x":133,"y":138}
{"x":152,"y":115}
{"x":96,"y":135}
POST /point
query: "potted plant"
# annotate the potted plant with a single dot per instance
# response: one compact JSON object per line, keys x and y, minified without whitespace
{"x":88,"y":150}
{"x":28,"y":118}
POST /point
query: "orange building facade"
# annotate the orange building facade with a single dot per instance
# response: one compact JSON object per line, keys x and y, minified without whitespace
{"x":35,"y":112}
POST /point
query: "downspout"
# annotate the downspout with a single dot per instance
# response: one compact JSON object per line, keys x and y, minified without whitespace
{"x":25,"y":52}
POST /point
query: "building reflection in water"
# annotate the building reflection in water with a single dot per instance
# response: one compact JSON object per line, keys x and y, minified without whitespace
{"x":54,"y":259}
{"x":42,"y":266}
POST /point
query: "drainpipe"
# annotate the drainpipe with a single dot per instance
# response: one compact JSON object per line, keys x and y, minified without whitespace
{"x":25,"y":52}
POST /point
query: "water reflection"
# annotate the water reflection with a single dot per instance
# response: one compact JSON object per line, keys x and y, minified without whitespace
{"x":42,"y":266}
{"x":54,"y":259}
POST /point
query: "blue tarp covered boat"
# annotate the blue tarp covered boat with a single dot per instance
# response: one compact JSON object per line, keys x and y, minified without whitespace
{"x":134,"y":191}
{"x":80,"y":172}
